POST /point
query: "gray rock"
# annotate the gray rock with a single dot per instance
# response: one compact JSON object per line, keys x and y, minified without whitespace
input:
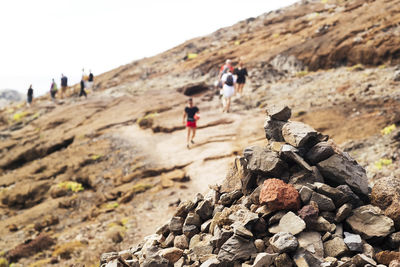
{"x":369,"y":222}
{"x":235,"y":176}
{"x":362,"y":260}
{"x":324,"y":203}
{"x":227,"y":199}
{"x":343,"y":212}
{"x":283,"y":242}
{"x":241,"y":231}
{"x":289,"y":152}
{"x":298,"y":134}
{"x":164,"y":229}
{"x":213,"y":262}
{"x":353,"y":242}
{"x":176,"y":225}
{"x":200,"y":244}
{"x":276,"y":217}
{"x":341,"y":169}
{"x":193,"y":219}
{"x":236,"y":248}
{"x":305,"y":194}
{"x":335,"y":247}
{"x":273,"y":129}
{"x":264,"y":259}
{"x":169,"y":241}
{"x":280,"y":113}
{"x":291,"y":223}
{"x":368,"y":250}
{"x":335,"y":194}
{"x":190,"y":230}
{"x":396,"y":76}
{"x":264,"y":161}
{"x":220,"y":237}
{"x":319,"y":152}
{"x":350,"y":196}
{"x":156,"y":261}
{"x":171,"y":254}
{"x":312,"y":242}
{"x":244,"y":217}
{"x":322,"y":225}
{"x":205,"y":209}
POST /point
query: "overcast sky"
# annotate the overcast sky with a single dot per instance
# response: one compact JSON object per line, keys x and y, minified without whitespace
{"x":41,"y":39}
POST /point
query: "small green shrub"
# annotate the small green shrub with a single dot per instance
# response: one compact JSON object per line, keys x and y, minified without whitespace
{"x":72,"y":186}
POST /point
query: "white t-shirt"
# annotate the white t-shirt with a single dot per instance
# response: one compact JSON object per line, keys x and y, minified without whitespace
{"x":228,"y":90}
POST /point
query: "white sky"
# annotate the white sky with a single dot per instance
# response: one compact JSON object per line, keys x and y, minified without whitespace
{"x":40,"y":39}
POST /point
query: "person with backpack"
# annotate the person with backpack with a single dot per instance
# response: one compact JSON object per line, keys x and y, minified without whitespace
{"x":29,"y":96}
{"x":90,"y":80}
{"x":241,"y":73}
{"x":228,"y":89}
{"x":53,"y":90}
{"x":64,"y":85}
{"x":191,"y":116}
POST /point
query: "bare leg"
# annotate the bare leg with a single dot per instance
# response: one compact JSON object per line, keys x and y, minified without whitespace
{"x":228,"y":104}
{"x":188,"y":136}
{"x":193,"y":133}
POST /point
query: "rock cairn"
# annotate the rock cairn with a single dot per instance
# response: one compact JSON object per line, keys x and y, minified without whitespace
{"x":299,"y":201}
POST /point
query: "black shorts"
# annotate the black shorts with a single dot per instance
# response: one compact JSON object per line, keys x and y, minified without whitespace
{"x":241,"y":81}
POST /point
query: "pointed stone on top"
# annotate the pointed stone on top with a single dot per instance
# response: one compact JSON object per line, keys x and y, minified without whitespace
{"x":279,"y":112}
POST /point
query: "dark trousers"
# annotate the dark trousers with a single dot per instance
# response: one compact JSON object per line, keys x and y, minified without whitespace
{"x":82,"y":92}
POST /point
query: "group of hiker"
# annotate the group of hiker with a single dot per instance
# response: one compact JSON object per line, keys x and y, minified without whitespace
{"x":86,"y":82}
{"x":230,"y":82}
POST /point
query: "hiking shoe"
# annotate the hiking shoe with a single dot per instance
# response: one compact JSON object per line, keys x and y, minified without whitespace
{"x":192,"y":141}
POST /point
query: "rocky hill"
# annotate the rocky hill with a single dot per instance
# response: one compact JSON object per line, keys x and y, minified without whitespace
{"x":81,"y":177}
{"x":8,"y":96}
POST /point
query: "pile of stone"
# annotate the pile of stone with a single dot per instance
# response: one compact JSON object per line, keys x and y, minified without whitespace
{"x":299,"y":201}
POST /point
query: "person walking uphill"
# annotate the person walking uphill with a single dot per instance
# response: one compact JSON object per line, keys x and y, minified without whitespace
{"x":64,"y":85}
{"x":190,"y":114}
{"x":82,"y":92}
{"x":228,"y":90}
{"x":53,"y":90}
{"x":29,"y":96}
{"x":241,"y":73}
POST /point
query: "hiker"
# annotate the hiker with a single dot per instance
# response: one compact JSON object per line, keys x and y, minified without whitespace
{"x":90,"y":80}
{"x":53,"y":90}
{"x":64,"y":85}
{"x":29,"y":96}
{"x":241,"y":73}
{"x":191,"y":114}
{"x":224,"y":68}
{"x":228,"y":89}
{"x":82,"y":92}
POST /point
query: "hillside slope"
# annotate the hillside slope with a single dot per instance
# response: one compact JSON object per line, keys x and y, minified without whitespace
{"x":79,"y":173}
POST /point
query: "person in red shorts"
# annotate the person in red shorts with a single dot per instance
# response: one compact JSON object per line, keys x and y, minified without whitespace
{"x":190,"y":116}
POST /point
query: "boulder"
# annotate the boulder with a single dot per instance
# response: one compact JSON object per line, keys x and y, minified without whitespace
{"x":353,"y":242}
{"x":264,"y":161}
{"x":193,"y":219}
{"x":236,"y":175}
{"x":309,"y":214}
{"x":283,"y":260}
{"x":181,"y":241}
{"x":278,"y":195}
{"x":319,"y":152}
{"x":386,"y":195}
{"x":283,"y":242}
{"x":341,"y":169}
{"x":260,"y":245}
{"x":273,"y":129}
{"x":311,"y":242}
{"x":264,"y":259}
{"x":335,"y":247}
{"x":350,"y":196}
{"x":298,"y":134}
{"x":324,"y":203}
{"x":363,"y":260}
{"x":204,"y":209}
{"x":343,"y":212}
{"x":369,"y":222}
{"x":279,"y":112}
{"x":291,"y":223}
{"x":386,"y":257}
{"x":305,"y":194}
{"x":176,"y":225}
{"x":171,"y":254}
{"x":236,"y":248}
{"x":335,"y":194}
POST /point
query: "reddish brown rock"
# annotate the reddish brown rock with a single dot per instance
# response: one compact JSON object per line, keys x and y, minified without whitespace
{"x":385,"y":257}
{"x":386,"y":195}
{"x":309,"y":213}
{"x":278,"y":195}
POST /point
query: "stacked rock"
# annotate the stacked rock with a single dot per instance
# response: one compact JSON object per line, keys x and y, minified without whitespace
{"x":299,"y":201}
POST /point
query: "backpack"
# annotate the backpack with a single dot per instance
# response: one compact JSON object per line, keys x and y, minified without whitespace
{"x":229,"y":80}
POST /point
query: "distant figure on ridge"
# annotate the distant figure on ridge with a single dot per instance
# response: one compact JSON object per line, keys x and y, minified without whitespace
{"x":29,"y":96}
{"x":53,"y":90}
{"x":191,"y":115}
{"x":82,"y":92}
{"x":64,"y":85}
{"x":90,"y":80}
{"x":241,"y":73}
{"x":228,"y":89}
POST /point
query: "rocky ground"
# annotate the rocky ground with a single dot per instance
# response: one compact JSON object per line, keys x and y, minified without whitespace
{"x":85,"y":176}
